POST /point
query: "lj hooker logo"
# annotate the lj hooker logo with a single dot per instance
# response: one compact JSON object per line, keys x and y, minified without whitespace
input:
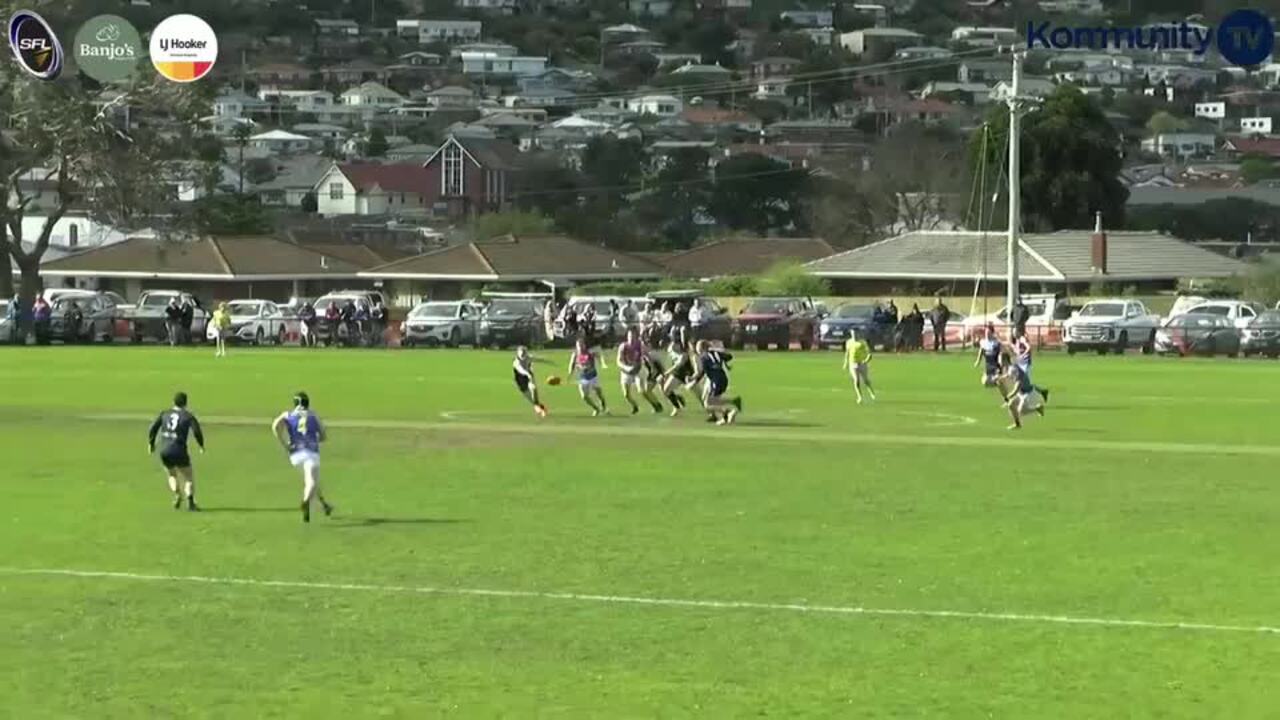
{"x":183,"y":48}
{"x":35,"y":45}
{"x":108,"y":48}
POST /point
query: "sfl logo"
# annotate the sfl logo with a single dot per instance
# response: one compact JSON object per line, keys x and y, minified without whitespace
{"x":35,"y":45}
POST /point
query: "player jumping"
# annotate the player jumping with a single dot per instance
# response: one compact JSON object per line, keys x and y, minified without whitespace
{"x":173,"y":426}
{"x":713,"y":366}
{"x":522,"y":371}
{"x":632,"y":357}
{"x":302,"y":437}
{"x":991,"y":356}
{"x":583,"y":362}
{"x":857,"y":359}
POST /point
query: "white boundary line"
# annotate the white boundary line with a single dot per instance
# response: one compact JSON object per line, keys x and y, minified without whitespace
{"x":744,"y":432}
{"x":652,"y":601}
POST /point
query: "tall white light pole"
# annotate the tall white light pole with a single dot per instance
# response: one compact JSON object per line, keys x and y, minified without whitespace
{"x":1015,"y":178}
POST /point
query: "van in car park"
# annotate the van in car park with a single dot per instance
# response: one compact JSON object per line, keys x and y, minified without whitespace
{"x":1239,"y":312}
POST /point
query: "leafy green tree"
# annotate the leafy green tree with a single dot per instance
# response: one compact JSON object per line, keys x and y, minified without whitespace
{"x":825,"y":80}
{"x":676,"y":196}
{"x":1255,"y":168}
{"x":613,"y":168}
{"x":1162,"y":121}
{"x":1070,"y":162}
{"x":513,"y":222}
{"x":230,"y":214}
{"x":376,"y":145}
{"x":757,"y":193}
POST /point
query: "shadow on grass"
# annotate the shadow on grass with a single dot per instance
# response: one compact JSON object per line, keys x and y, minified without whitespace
{"x":776,"y":423}
{"x":359,"y":522}
{"x":248,"y":509}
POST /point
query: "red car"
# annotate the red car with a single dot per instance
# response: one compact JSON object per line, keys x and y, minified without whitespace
{"x":777,"y":321}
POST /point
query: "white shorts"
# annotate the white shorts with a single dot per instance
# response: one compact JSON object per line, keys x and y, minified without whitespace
{"x":589,"y":383}
{"x":1029,"y":402}
{"x":631,"y":379}
{"x":859,"y":371}
{"x":304,"y":458}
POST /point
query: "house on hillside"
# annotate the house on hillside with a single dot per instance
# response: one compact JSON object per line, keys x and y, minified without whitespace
{"x":808,"y":18}
{"x":449,"y":31}
{"x":468,"y":176}
{"x":282,"y":142}
{"x":452,"y":97}
{"x":280,"y":74}
{"x":772,"y":67}
{"x":336,"y":38}
{"x":650,"y":8}
{"x":492,"y":65}
{"x":372,"y":94}
{"x":373,"y":189}
{"x":353,"y":72}
{"x":500,"y":7}
{"x":875,"y":42}
{"x":295,"y":178}
{"x":656,"y":105}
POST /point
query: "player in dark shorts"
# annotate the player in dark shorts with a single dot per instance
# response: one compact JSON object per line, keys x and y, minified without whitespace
{"x":174,"y":426}
{"x":713,"y":366}
{"x":677,"y":373}
{"x":522,"y":373}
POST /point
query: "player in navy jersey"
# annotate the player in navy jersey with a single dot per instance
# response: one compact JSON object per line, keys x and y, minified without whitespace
{"x":713,"y":367}
{"x":991,"y":356}
{"x":1022,"y":358}
{"x":174,"y":427}
{"x":303,"y":433}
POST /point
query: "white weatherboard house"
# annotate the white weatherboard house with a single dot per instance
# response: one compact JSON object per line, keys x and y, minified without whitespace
{"x":372,"y":94}
{"x":657,"y":105}
{"x":487,"y":64}
{"x":281,"y":142}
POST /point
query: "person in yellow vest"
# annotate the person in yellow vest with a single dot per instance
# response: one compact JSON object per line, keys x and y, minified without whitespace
{"x":857,"y":359}
{"x":221,"y":327}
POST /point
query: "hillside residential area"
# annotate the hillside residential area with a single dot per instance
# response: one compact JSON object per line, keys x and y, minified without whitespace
{"x":335,"y":140}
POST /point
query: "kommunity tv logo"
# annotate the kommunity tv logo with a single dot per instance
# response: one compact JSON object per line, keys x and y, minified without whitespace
{"x":1244,"y":37}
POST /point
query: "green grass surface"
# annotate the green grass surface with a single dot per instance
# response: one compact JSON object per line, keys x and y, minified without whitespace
{"x":1148,"y":493}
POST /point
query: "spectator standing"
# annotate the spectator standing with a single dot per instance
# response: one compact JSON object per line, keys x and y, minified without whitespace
{"x":362,"y":316}
{"x":42,"y":316}
{"x":72,"y":319}
{"x":695,"y":320}
{"x":549,"y":319}
{"x":939,"y":317}
{"x":173,"y":322}
{"x":349,"y":320}
{"x":188,"y":319}
{"x":1019,"y":317}
{"x":378,"y":316}
{"x":307,"y":321}
{"x":13,"y":314}
{"x":587,"y":323}
{"x":332,"y":318}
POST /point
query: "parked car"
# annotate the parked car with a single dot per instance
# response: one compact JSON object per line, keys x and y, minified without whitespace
{"x":1198,"y":334}
{"x":341,"y":297}
{"x":441,"y":323}
{"x":258,"y":321}
{"x":715,"y":326}
{"x":1262,"y":336}
{"x":511,"y":320}
{"x":1111,"y":326}
{"x":853,"y":318}
{"x":1046,"y":315}
{"x":1239,"y":312}
{"x":52,"y":294}
{"x":147,"y":316}
{"x":777,"y":321}
{"x":100,"y":311}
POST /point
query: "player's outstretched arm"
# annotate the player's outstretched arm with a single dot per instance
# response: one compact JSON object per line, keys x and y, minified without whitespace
{"x":151,"y":434}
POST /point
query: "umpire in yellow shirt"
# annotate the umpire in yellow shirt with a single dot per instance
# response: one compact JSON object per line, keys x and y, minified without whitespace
{"x":857,"y":360}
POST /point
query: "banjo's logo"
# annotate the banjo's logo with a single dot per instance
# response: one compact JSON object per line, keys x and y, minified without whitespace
{"x":35,"y":45}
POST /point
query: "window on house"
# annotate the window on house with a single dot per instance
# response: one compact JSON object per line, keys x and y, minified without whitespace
{"x":73,"y":236}
{"x":335,"y":191}
{"x":451,"y":168}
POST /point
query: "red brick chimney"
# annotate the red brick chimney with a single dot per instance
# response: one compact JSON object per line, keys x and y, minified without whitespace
{"x":1098,"y":247}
